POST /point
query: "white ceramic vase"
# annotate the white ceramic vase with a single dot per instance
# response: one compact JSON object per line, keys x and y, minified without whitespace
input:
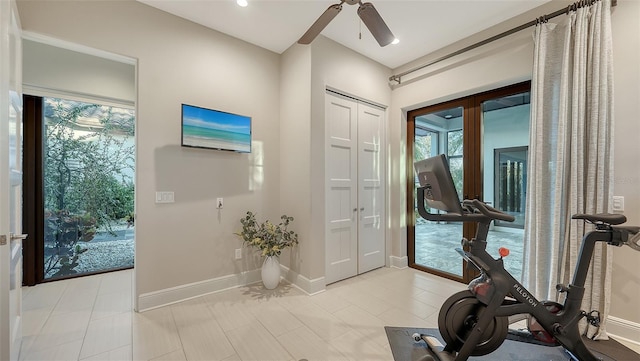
{"x":271,"y":272}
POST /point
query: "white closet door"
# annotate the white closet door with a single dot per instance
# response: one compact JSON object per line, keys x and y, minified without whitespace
{"x":371,"y":241}
{"x":342,"y":189}
{"x":355,"y":241}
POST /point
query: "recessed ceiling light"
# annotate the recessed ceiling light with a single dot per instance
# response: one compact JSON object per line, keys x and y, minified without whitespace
{"x":242,"y":3}
{"x":395,"y":41}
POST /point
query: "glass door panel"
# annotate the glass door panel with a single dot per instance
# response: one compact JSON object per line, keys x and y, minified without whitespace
{"x":435,"y":242}
{"x":89,"y":154}
{"x":505,"y":140}
{"x":485,"y":137}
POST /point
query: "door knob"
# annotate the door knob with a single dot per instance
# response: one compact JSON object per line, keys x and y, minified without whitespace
{"x":3,"y":237}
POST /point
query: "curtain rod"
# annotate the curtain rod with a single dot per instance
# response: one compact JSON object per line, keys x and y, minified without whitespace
{"x":544,"y":18}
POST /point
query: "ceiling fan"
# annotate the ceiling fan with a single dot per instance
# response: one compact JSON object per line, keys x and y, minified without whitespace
{"x":366,"y":11}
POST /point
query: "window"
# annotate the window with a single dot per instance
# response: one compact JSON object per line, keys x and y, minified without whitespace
{"x":83,"y":157}
{"x":510,"y":183}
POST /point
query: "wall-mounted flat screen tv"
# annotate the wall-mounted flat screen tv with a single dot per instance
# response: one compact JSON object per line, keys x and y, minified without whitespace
{"x":214,"y":129}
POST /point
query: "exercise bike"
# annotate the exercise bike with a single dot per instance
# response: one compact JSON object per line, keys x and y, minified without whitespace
{"x":475,"y":322}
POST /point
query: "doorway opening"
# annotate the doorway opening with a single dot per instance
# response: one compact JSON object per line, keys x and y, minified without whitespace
{"x":79,"y":154}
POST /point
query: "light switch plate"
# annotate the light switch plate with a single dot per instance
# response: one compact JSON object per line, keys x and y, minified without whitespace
{"x":165,"y":197}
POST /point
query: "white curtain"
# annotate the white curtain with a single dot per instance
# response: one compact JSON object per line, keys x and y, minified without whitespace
{"x":570,"y":155}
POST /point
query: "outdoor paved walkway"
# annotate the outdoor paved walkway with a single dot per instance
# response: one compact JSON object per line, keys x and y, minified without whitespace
{"x":436,"y":244}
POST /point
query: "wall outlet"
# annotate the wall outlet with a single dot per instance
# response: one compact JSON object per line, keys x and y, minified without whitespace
{"x":238,"y":253}
{"x":219,"y":203}
{"x":618,"y":204}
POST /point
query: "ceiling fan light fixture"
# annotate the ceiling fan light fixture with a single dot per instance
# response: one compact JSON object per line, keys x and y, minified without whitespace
{"x":242,"y":3}
{"x":367,"y":13}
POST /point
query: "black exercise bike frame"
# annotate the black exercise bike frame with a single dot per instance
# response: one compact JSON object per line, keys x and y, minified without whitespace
{"x":510,"y":297}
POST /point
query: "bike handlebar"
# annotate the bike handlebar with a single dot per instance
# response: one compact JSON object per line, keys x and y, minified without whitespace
{"x":473,"y":210}
{"x":489,"y":211}
{"x":634,"y":240}
{"x":477,"y":211}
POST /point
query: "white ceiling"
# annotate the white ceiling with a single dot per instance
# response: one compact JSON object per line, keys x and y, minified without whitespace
{"x":422,"y":26}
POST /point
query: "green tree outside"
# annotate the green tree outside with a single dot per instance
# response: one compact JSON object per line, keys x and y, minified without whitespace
{"x":88,"y":183}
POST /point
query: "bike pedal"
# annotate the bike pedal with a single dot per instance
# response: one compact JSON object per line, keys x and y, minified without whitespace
{"x":594,"y":320}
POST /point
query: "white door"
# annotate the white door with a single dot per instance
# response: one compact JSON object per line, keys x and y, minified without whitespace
{"x":355,"y":240}
{"x":10,"y":182}
{"x":371,"y":244}
{"x":341,"y":233}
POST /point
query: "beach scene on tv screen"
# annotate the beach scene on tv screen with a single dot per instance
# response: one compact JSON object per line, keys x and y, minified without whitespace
{"x":206,"y":128}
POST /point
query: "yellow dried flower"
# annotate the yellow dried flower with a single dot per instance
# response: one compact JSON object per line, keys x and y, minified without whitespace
{"x":269,"y":238}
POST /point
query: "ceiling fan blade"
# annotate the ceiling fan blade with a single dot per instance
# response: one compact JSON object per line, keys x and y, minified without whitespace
{"x":317,"y":27}
{"x":378,"y":28}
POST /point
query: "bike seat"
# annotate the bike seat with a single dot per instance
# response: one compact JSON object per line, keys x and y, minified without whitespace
{"x":607,"y":218}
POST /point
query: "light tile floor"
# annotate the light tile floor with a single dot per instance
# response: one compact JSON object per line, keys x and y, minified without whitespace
{"x":91,"y":318}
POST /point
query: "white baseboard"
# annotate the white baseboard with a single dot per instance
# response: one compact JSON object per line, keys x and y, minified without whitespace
{"x":399,"y":262}
{"x":311,"y":287}
{"x":623,"y":329}
{"x":151,"y":300}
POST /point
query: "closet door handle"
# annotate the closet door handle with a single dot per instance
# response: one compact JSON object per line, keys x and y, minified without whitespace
{"x":361,"y":209}
{"x":355,"y":209}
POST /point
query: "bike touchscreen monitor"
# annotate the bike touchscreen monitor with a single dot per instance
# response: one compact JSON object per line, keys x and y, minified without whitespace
{"x":440,"y":192}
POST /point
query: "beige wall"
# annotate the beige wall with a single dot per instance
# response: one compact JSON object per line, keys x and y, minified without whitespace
{"x":177,"y":61}
{"x":344,"y":70}
{"x":626,"y":58}
{"x":180,"y":62}
{"x":508,"y":61}
{"x":295,"y":152}
{"x":306,"y":72}
{"x":72,"y":73}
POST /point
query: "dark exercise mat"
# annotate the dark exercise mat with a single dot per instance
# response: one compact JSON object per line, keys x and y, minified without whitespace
{"x":612,"y":349}
{"x":404,"y":348}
